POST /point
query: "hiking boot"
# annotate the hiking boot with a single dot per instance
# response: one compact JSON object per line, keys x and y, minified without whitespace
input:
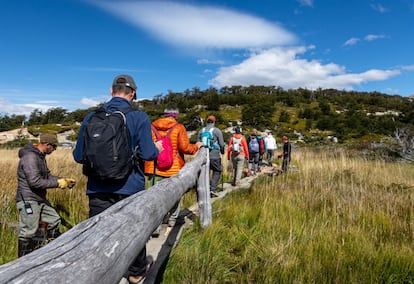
{"x":25,"y":246}
{"x":171,"y":222}
{"x":141,"y":277}
{"x":213,"y":194}
{"x":156,"y":232}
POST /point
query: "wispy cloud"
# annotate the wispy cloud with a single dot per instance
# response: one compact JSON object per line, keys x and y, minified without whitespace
{"x":306,"y":2}
{"x":283,"y":67}
{"x":352,"y":41}
{"x":188,"y":25}
{"x":104,"y":69}
{"x":370,"y":37}
{"x":205,"y":61}
{"x":21,"y":109}
{"x":379,"y":8}
{"x":91,"y":102}
{"x":408,"y":67}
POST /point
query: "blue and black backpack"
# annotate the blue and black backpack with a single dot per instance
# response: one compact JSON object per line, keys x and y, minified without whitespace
{"x":107,"y":154}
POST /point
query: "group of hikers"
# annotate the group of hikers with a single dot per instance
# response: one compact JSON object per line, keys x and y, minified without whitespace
{"x":123,"y":153}
{"x":254,"y":149}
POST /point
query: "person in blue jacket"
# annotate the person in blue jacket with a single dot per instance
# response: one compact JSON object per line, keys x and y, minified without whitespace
{"x":103,"y":194}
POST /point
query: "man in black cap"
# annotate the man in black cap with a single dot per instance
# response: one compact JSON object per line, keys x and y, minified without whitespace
{"x":33,"y":180}
{"x":104,"y":194}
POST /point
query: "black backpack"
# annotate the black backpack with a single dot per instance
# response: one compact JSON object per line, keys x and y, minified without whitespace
{"x":107,"y":154}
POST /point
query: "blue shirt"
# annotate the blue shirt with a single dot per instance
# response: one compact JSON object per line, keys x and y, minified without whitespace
{"x":139,"y":127}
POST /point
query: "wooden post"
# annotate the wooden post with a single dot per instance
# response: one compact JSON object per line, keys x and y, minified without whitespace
{"x":203,"y":193}
{"x":101,"y":248}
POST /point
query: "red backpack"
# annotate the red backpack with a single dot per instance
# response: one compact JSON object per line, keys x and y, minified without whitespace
{"x":165,"y":159}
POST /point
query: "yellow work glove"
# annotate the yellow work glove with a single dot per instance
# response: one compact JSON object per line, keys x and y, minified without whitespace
{"x":66,"y":183}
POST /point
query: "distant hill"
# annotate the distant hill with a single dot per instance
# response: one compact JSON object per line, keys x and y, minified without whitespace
{"x":314,"y":116}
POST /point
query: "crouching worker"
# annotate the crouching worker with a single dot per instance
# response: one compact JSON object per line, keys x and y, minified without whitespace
{"x":38,"y":220}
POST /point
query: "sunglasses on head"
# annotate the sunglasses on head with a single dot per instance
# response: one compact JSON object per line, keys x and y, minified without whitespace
{"x":53,"y":145}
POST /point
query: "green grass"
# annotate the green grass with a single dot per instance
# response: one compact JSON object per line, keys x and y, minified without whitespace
{"x":336,"y":221}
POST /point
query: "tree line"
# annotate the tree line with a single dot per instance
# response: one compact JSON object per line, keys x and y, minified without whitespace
{"x":345,"y":114}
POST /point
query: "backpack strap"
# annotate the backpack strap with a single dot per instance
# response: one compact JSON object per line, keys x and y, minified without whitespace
{"x":171,"y":130}
{"x":157,"y":134}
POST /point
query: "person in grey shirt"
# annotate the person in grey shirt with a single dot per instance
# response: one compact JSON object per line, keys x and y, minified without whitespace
{"x":215,"y":153}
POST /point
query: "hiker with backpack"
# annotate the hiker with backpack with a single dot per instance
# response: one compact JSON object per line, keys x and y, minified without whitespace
{"x":171,"y":160}
{"x":286,"y":154}
{"x":262,"y":150}
{"x":112,"y":145}
{"x":271,"y":146}
{"x":212,"y":138}
{"x":237,"y":152}
{"x":255,"y":149}
{"x":38,"y":220}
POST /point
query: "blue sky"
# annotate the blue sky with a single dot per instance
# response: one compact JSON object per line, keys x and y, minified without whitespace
{"x":65,"y":53}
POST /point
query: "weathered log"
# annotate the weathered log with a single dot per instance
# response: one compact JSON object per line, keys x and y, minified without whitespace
{"x":101,"y":248}
{"x":203,"y":193}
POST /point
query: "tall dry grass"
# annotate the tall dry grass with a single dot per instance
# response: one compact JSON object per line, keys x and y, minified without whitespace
{"x":338,"y":219}
{"x":71,"y":204}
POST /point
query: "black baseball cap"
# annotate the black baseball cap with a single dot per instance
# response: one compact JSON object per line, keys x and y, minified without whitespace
{"x":125,"y":80}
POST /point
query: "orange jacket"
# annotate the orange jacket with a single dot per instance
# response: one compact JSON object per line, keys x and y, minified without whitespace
{"x":245,"y":151}
{"x":181,"y":145}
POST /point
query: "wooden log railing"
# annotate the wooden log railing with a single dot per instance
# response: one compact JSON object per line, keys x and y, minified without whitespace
{"x":101,"y":248}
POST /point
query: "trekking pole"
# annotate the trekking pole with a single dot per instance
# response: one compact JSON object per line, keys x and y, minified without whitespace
{"x":222,"y":182}
{"x":153,"y":175}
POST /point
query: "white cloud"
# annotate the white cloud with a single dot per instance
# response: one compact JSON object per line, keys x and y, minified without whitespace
{"x":379,"y":8}
{"x":283,"y":67}
{"x":352,"y":41}
{"x":371,"y":37}
{"x":306,"y":2}
{"x":408,"y":67}
{"x":20,"y":109}
{"x":90,"y":102}
{"x":392,"y":91}
{"x":199,"y":26}
{"x":205,"y":61}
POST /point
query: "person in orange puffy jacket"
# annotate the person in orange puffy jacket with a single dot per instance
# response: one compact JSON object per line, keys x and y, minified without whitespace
{"x":181,"y":145}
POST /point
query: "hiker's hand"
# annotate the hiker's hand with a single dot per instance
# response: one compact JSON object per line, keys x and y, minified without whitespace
{"x":66,"y":183}
{"x":199,"y":144}
{"x":158,"y":145}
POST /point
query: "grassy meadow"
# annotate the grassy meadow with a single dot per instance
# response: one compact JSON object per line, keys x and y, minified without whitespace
{"x":335,"y":219}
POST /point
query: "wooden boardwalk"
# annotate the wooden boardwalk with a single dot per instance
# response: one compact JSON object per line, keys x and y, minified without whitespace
{"x":160,"y":247}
